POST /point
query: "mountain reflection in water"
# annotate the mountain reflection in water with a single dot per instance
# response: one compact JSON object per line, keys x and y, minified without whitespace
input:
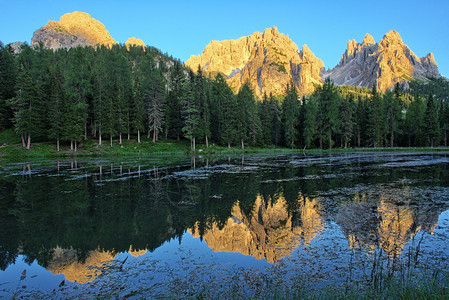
{"x":79,"y":218}
{"x":269,"y":232}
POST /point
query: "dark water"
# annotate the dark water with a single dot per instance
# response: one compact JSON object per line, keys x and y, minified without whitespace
{"x":240,"y":225}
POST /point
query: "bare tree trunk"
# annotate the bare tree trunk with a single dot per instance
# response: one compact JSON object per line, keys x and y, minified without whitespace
{"x":99,"y":139}
{"x":23,"y":140}
{"x":57,"y":145}
{"x":346,"y":142}
{"x":120,"y":138}
{"x":243,"y":144}
{"x":75,"y":145}
{"x":229,"y":145}
{"x":29,"y":142}
{"x":85,"y":130}
{"x":207,"y":142}
{"x":71,"y":146}
{"x":154,"y":134}
{"x":321,"y":143}
{"x":330,"y":141}
{"x":111,"y":141}
{"x":138,"y":136}
{"x":194,"y":144}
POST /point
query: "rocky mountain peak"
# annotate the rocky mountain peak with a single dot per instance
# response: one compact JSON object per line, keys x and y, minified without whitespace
{"x":73,"y":29}
{"x":368,"y":40}
{"x":268,"y":61}
{"x":382,"y":64}
{"x":132,"y":41}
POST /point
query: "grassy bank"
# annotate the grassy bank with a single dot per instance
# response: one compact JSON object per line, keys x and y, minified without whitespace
{"x":11,"y":148}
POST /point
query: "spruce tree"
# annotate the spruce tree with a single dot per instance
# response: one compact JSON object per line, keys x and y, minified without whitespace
{"x":155,"y":103}
{"x":310,"y":127}
{"x":8,"y":75}
{"x":392,"y":115}
{"x":276,"y":125}
{"x":414,"y":122}
{"x":290,"y":109}
{"x":431,"y":124}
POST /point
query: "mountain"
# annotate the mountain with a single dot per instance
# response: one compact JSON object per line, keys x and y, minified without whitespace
{"x":268,"y":61}
{"x":383,"y":64}
{"x":134,"y":42}
{"x":73,"y":29}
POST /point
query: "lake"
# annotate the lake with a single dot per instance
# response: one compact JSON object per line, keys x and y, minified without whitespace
{"x":252,"y":226}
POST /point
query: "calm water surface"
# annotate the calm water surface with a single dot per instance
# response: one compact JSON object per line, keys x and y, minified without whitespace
{"x":234,"y":225}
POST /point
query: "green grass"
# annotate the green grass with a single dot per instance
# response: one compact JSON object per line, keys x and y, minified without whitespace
{"x":10,"y":147}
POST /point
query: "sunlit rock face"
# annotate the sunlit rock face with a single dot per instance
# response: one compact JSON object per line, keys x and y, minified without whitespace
{"x":134,"y":42}
{"x":270,"y":232}
{"x":72,"y":30}
{"x":386,"y":225}
{"x":268,"y":61}
{"x":66,"y":261}
{"x":383,"y":64}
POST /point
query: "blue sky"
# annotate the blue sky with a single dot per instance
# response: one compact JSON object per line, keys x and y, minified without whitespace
{"x":183,"y":28}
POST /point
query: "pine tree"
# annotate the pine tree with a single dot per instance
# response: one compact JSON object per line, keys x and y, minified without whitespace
{"x":444,"y":121}
{"x":290,"y":109}
{"x":310,"y":127}
{"x":346,"y":119}
{"x":8,"y":75}
{"x":202,"y":98}
{"x":414,"y":122}
{"x":392,"y":115}
{"x":155,"y":97}
{"x":431,"y":124}
{"x":58,"y":107}
{"x":191,"y":117}
{"x":247,"y":117}
{"x":328,"y":114}
{"x":375,"y":122}
{"x":26,"y":116}
{"x":173,"y":113}
{"x":266,"y":120}
{"x":276,"y":127}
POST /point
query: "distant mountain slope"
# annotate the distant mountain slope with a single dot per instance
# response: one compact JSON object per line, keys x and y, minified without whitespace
{"x":383,"y":64}
{"x":268,"y":61}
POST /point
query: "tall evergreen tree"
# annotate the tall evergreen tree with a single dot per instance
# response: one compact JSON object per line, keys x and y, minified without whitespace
{"x":202,"y":98}
{"x":431,"y":124}
{"x":310,"y":128}
{"x":328,"y":114}
{"x":290,"y":109}
{"x":444,"y":121}
{"x":155,"y":103}
{"x":391,"y":115}
{"x":8,"y":75}
{"x":276,"y":125}
{"x":375,"y":122}
{"x":414,"y":122}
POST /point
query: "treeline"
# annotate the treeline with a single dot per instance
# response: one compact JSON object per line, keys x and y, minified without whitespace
{"x":119,"y":92}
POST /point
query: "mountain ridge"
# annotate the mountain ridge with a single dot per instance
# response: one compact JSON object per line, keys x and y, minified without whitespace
{"x":381,"y":64}
{"x":268,"y":60}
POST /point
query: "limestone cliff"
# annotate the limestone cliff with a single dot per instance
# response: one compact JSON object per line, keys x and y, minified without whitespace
{"x":268,"y":61}
{"x":270,"y":232}
{"x":382,"y":64}
{"x":72,"y":30}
